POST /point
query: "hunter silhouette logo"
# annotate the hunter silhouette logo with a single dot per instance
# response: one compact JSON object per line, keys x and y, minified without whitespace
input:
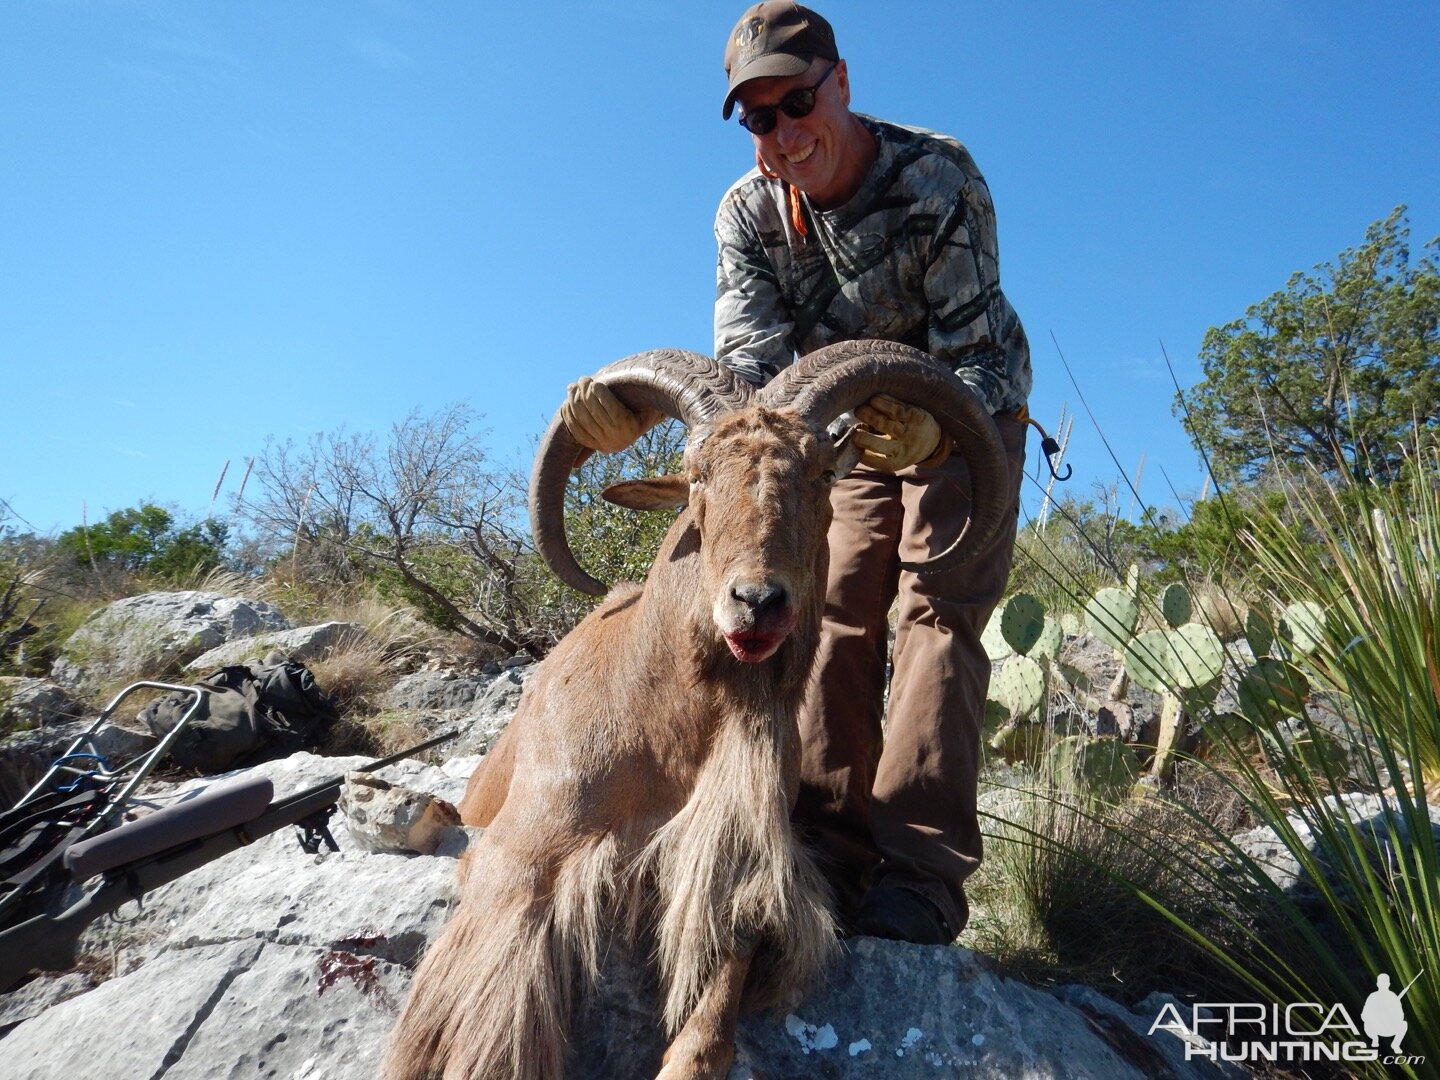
{"x":1383,"y":1015}
{"x":748,"y":33}
{"x":1303,"y":1031}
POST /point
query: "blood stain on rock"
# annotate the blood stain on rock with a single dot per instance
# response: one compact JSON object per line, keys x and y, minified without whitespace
{"x":337,"y":965}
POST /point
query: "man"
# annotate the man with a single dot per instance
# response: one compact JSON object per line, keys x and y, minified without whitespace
{"x":855,"y":228}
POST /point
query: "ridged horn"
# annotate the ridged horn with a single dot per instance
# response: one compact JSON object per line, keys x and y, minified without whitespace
{"x":837,"y":378}
{"x":684,"y":385}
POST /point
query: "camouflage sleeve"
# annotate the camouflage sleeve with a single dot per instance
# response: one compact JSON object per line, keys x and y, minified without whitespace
{"x":752,"y":322}
{"x":968,"y":312}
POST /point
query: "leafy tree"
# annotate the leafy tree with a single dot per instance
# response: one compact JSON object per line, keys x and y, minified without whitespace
{"x":610,"y":542}
{"x":23,"y":557}
{"x":1335,"y":370}
{"x":143,"y":539}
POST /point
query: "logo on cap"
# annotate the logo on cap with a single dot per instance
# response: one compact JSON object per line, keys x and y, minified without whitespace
{"x":747,"y":34}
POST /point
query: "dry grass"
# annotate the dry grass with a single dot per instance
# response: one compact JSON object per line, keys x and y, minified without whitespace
{"x":398,"y":628}
{"x":359,"y":670}
{"x":1057,"y":899}
{"x":217,"y":579}
{"x":356,"y":672}
{"x":1221,"y":609}
{"x":376,"y":735}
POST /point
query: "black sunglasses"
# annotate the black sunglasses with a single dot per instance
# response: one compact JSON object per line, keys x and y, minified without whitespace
{"x":796,"y":104}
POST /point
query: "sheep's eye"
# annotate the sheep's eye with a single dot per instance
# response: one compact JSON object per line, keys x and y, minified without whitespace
{"x":827,"y":477}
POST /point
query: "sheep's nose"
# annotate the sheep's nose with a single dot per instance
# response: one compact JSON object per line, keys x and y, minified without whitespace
{"x":760,"y":597}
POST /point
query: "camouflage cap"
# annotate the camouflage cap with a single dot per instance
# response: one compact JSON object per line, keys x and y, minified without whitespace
{"x":778,"y":37}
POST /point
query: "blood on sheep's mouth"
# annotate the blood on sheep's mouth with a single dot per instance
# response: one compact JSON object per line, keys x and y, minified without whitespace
{"x":753,"y":646}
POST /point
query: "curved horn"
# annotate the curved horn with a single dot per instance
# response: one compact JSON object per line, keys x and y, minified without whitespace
{"x":837,"y":378}
{"x":685,"y":385}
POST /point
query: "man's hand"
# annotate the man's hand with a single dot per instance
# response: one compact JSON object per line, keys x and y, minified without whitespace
{"x":894,"y":436}
{"x":601,"y":421}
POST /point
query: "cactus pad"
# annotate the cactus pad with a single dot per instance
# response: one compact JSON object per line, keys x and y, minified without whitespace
{"x":1104,"y":767}
{"x":1051,"y":638}
{"x":997,"y":714}
{"x":1147,"y":660}
{"x":1018,"y":741}
{"x":1111,"y":615}
{"x":1271,"y":690}
{"x":1258,"y":632}
{"x":1196,"y":656}
{"x":1175,"y":604}
{"x":1022,"y":617}
{"x":1020,"y":684}
{"x":1303,"y":626}
{"x":1228,"y":730}
{"x":992,"y":640}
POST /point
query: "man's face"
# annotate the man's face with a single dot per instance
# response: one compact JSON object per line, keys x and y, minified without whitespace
{"x":810,"y":153}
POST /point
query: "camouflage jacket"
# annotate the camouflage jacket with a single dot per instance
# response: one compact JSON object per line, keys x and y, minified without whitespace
{"x":912,"y":257}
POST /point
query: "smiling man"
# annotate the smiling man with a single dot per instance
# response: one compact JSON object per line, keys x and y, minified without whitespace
{"x":850,"y":228}
{"x":853,"y":228}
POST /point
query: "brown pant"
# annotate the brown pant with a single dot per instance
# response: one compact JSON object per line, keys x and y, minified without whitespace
{"x":901,"y":807}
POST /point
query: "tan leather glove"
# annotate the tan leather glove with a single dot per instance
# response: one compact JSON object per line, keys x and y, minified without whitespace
{"x":601,"y":421}
{"x":894,"y":436}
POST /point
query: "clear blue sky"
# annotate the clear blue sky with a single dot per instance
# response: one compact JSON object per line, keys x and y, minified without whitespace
{"x":228,"y":219}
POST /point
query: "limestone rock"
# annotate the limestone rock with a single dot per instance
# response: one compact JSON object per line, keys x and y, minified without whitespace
{"x":493,"y":709}
{"x":303,"y":643}
{"x":382,"y":816}
{"x":273,"y":963}
{"x":898,"y":1010}
{"x":34,"y":703}
{"x":435,"y":690}
{"x":251,"y":1008}
{"x":1375,"y":817}
{"x":143,"y":636}
{"x":27,"y":755}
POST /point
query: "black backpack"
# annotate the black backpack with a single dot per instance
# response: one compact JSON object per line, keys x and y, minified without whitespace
{"x":246,"y":715}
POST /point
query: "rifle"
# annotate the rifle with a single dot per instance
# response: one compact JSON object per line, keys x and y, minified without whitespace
{"x":140,"y":856}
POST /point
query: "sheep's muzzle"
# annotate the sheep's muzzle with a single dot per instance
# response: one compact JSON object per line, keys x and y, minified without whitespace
{"x":755,"y":618}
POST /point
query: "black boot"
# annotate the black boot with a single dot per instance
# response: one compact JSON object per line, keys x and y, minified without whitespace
{"x":897,"y":914}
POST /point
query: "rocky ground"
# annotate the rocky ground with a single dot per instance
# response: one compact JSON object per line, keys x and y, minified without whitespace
{"x":274,"y":963}
{"x":277,"y":963}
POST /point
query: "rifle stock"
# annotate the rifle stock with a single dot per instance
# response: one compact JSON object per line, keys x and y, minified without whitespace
{"x":48,"y":941}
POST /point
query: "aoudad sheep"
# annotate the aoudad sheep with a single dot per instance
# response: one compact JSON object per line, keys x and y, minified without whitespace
{"x":644,"y":787}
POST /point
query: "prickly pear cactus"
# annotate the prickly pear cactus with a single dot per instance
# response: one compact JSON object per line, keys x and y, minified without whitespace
{"x":1105,"y":767}
{"x":997,"y":715}
{"x":1302,"y":627}
{"x":1196,"y":656}
{"x":1070,"y":624}
{"x":1021,"y":742}
{"x":1183,"y":666}
{"x":1272,"y":690}
{"x":1020,"y":685}
{"x":1228,"y":729}
{"x":1051,"y":638}
{"x":1111,"y":614}
{"x":1022,"y":618}
{"x":993,"y":641}
{"x":1175,"y":604}
{"x":1147,"y":660}
{"x":1258,"y":633}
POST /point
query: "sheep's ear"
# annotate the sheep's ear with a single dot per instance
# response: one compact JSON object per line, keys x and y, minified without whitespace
{"x":656,"y":493}
{"x":847,"y":454}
